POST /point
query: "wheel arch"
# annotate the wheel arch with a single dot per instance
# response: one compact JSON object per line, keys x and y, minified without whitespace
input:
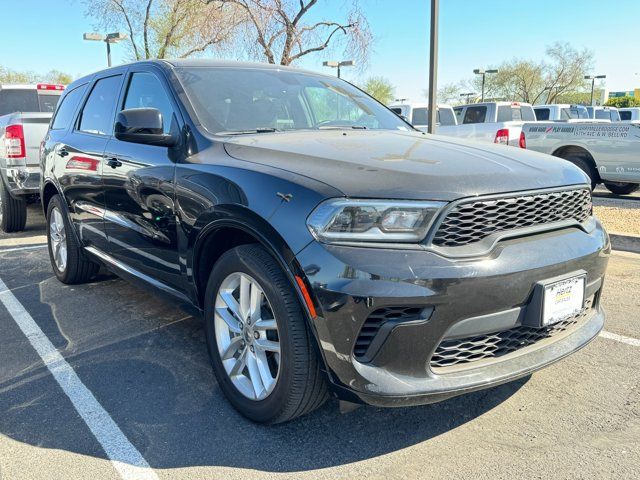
{"x":48,"y":192}
{"x":234,"y":225}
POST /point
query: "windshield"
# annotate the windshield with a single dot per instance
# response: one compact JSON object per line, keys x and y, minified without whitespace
{"x":247,"y":100}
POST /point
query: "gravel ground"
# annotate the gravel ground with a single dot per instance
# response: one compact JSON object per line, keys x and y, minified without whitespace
{"x":620,"y":214}
{"x":622,"y":220}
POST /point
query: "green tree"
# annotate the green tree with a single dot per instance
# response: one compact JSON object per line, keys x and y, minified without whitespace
{"x":379,"y":88}
{"x":623,"y":102}
{"x":54,"y":76}
{"x":531,"y":81}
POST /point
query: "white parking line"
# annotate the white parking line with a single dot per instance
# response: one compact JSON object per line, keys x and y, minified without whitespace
{"x":125,"y":458}
{"x":17,"y":249}
{"x":620,"y":338}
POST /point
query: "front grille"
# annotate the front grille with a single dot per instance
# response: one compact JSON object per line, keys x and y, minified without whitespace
{"x":463,"y":352}
{"x":471,"y":221}
{"x":374,"y":321}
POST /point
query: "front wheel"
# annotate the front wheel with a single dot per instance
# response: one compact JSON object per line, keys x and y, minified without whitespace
{"x":260,"y":347}
{"x":621,"y":188}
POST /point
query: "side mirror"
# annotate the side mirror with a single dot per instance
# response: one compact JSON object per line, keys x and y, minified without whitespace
{"x":143,"y":125}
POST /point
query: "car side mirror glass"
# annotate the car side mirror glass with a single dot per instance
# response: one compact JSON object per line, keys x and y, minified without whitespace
{"x":143,"y":125}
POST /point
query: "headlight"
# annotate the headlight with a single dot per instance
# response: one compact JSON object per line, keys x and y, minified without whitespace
{"x":342,"y":220}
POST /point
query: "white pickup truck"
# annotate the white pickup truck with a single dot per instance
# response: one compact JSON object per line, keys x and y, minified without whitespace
{"x":560,"y":112}
{"x":493,"y":122}
{"x":417,"y":114}
{"x":608,"y":153}
{"x":25,"y":113}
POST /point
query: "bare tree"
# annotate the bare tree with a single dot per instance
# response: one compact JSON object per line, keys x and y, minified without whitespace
{"x":280,"y":33}
{"x":168,"y":28}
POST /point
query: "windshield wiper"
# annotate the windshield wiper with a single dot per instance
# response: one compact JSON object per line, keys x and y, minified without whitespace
{"x":250,"y":131}
{"x":342,"y":127}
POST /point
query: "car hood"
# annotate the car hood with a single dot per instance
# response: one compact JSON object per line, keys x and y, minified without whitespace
{"x":404,"y":165}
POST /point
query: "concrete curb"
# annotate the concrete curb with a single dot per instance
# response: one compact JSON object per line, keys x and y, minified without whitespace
{"x":625,"y":242}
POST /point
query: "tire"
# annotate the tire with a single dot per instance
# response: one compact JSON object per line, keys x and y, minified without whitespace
{"x":76,"y":268}
{"x":583,"y":164}
{"x":620,"y":188}
{"x":13,"y":211}
{"x":300,"y":384}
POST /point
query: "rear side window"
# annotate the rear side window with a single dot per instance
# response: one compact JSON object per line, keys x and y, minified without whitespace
{"x":526,"y":114}
{"x":97,"y":114}
{"x":445,"y":117}
{"x":18,"y":101}
{"x":475,"y":115}
{"x":542,"y":113}
{"x":64,"y":114}
{"x":420,"y":116}
{"x":625,"y":115}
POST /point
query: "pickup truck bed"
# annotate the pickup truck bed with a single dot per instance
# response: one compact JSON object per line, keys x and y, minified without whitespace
{"x":21,"y":133}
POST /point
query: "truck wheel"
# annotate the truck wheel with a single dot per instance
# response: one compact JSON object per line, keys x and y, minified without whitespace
{"x":13,"y":212}
{"x":621,"y":188}
{"x":68,"y":260}
{"x":584,"y":165}
{"x":260,"y":347}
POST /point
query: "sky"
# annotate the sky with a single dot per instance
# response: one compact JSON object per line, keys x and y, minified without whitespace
{"x":473,"y":34}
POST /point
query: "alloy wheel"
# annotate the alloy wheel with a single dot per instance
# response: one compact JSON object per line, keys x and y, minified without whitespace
{"x":247,"y":336}
{"x":58,"y":239}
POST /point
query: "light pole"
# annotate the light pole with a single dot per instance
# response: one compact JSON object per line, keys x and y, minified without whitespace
{"x":593,"y":82}
{"x":338,"y":65}
{"x":480,"y":71}
{"x":109,"y":38}
{"x":433,"y":67}
{"x":468,"y":95}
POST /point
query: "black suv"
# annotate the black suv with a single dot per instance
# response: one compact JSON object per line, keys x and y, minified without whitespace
{"x":329,"y":246}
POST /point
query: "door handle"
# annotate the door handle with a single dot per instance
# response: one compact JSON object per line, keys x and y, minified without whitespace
{"x":114,"y":162}
{"x":63,"y":152}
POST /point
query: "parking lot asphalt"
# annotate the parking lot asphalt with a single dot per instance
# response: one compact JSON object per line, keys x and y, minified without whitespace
{"x":144,"y":362}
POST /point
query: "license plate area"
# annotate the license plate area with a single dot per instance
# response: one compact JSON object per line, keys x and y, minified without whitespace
{"x":562,"y":299}
{"x":556,"y":299}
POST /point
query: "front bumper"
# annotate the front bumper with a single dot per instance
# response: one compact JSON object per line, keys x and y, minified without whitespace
{"x":472,"y":296}
{"x":21,"y":181}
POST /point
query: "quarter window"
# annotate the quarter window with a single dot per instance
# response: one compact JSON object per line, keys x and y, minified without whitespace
{"x":97,"y":114}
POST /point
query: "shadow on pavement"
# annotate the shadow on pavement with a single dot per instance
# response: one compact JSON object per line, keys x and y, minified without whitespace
{"x":151,"y":373}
